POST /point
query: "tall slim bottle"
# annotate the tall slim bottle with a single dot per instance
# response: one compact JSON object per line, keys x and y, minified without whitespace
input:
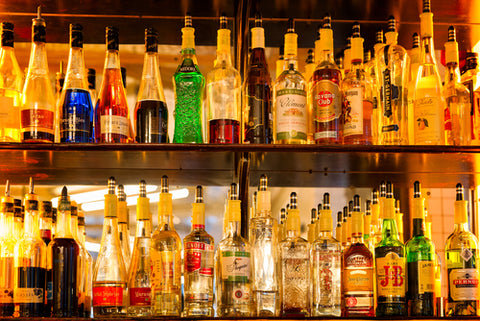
{"x":311,"y":228}
{"x":189,"y":85}
{"x":371,"y":74}
{"x":471,"y":79}
{"x":37,"y":113}
{"x":310,"y":66}
{"x":45,"y":221}
{"x":87,"y":273}
{"x":7,"y":251}
{"x":81,"y":260}
{"x":123,"y":233}
{"x":415,"y":60}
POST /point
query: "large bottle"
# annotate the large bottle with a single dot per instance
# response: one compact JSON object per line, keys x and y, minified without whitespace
{"x":151,"y":113}
{"x":75,"y":105}
{"x":461,"y":254}
{"x":290,"y":112}
{"x":224,"y":90}
{"x":123,"y":230}
{"x":37,"y":112}
{"x":189,"y":85}
{"x":470,"y":78}
{"x":111,"y":111}
{"x":166,"y":259}
{"x":257,"y":105}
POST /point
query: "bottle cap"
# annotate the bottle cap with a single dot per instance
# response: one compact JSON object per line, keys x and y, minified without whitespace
{"x":234,"y":204}
{"x":7,"y":34}
{"x":198,"y":209}
{"x":293,"y":218}
{"x":258,"y":33}
{"x":74,"y":208}
{"x":426,"y":24}
{"x":45,"y":209}
{"x":326,"y":221}
{"x":356,"y":53}
{"x":122,"y":210}
{"x":151,"y":40}
{"x":110,"y":209}
{"x":291,"y":39}
{"x":64,"y":201}
{"x":143,"y":202}
{"x":357,"y":224}
{"x":76,"y":35}
{"x":389,"y":203}
{"x":451,"y":47}
{"x":7,"y":202}
{"x":418,"y":202}
{"x":188,"y":33}
{"x":461,"y":206}
{"x":326,"y":34}
{"x":39,"y":27}
{"x":111,"y":35}
{"x":31,"y":199}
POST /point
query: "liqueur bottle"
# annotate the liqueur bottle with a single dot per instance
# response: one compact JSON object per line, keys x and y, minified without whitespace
{"x":109,"y":275}
{"x":111,"y":111}
{"x":357,"y":285}
{"x":257,"y":110}
{"x":470,"y":79}
{"x":75,"y":104}
{"x":151,"y":113}
{"x":123,"y":233}
{"x":415,"y":60}
{"x":461,"y":253}
{"x":166,"y":259}
{"x":189,"y":85}
{"x":37,"y":112}
{"x":45,"y":221}
{"x":85,"y":302}
{"x":290,"y":97}
{"x":139,"y":279}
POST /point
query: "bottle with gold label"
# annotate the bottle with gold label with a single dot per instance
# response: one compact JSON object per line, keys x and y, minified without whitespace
{"x":461,"y":254}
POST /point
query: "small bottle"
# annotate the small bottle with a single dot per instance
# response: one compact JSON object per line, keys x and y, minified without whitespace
{"x":415,"y":60}
{"x":45,"y":216}
{"x":199,"y":264}
{"x":189,"y":85}
{"x":123,"y":231}
{"x":470,"y":79}
{"x":92,"y":84}
{"x":85,"y":302}
{"x":280,"y":63}
{"x":151,"y":113}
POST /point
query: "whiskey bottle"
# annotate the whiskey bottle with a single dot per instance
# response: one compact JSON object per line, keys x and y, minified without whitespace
{"x":123,"y":233}
{"x":470,"y":79}
{"x":7,"y":250}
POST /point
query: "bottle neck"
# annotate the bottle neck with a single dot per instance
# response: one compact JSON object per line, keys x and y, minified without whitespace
{"x":74,"y":226}
{"x":293,"y":234}
{"x":81,"y":234}
{"x":6,"y":225}
{"x":389,"y":229}
{"x":233,"y":229}
{"x":144,"y":229}
{"x":38,"y":66}
{"x":30,"y":224}
{"x":418,"y":227}
{"x":223,"y":59}
{"x":461,"y":227}
{"x":328,"y":56}
{"x":357,"y":238}
{"x":64,"y":221}
{"x":453,"y":73}
{"x":112,"y":60}
{"x":428,"y":51}
{"x":165,"y":223}
{"x":325,"y":234}
{"x":75,"y":76}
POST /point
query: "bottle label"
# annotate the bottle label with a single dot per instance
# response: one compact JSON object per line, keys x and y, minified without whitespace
{"x":49,"y":291}
{"x":387,"y":94}
{"x":259,"y":123}
{"x":38,"y":119}
{"x":463,"y":284}
{"x":113,"y":124}
{"x":358,"y":283}
{"x":327,"y":104}
{"x":140,"y":296}
{"x":291,"y":114}
{"x":235,"y":266}
{"x":164,"y":270}
{"x":28,"y":295}
{"x":73,"y":123}
{"x":390,"y":276}
{"x":107,"y":296}
{"x":427,"y":120}
{"x":326,"y":265}
{"x":426,"y":276}
{"x":187,"y":69}
{"x":353,"y":110}
{"x":6,"y":295}
{"x":9,"y":115}
{"x":197,"y":253}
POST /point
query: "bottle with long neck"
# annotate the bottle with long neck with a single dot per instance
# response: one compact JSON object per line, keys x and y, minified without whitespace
{"x":310,"y":66}
{"x":344,"y":241}
{"x":290,"y":97}
{"x":81,"y":260}
{"x":18,"y":219}
{"x":339,"y":227}
{"x":123,"y":233}
{"x":45,"y":221}
{"x":257,"y":110}
{"x":189,"y":85}
{"x":151,"y":113}
{"x":166,"y":259}
{"x":75,"y":105}
{"x":86,"y":275}
{"x":109,"y":275}
{"x":111,"y":111}
{"x":37,"y":112}
{"x":375,"y":227}
{"x":428,"y":102}
{"x":415,"y":60}
{"x":470,"y":79}
{"x":347,"y":57}
{"x":461,"y":254}
{"x":371,"y":76}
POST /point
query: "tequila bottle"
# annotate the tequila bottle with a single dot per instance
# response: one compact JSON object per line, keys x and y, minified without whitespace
{"x":7,"y":250}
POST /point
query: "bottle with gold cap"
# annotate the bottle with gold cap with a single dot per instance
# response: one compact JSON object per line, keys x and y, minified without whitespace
{"x":317,"y":222}
{"x":312,"y":235}
{"x":233,"y":266}
{"x":109,"y":275}
{"x":461,"y":254}
{"x":344,"y":239}
{"x":358,"y":277}
{"x":139,"y":278}
{"x":294,"y":267}
{"x":88,"y":267}
{"x":165,"y":254}
{"x":399,"y":220}
{"x":123,"y":234}
{"x":326,"y":256}
{"x":338,"y":227}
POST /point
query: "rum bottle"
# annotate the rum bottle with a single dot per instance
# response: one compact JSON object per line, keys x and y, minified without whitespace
{"x":123,"y":233}
{"x":7,"y":251}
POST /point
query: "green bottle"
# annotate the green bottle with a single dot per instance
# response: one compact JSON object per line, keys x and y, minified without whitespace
{"x":189,"y":85}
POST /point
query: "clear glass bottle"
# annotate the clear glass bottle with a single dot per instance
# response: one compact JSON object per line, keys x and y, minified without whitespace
{"x":87,"y":271}
{"x":415,"y":60}
{"x":166,"y":259}
{"x":123,"y":228}
{"x":470,"y":79}
{"x":199,"y":263}
{"x":109,"y":275}
{"x":371,"y":76}
{"x":189,"y":85}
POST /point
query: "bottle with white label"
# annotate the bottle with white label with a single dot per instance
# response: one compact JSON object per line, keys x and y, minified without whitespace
{"x":461,"y":254}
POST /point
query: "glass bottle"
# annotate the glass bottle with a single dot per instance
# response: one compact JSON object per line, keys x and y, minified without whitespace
{"x":199,"y":263}
{"x":367,"y":223}
{"x":30,"y":263}
{"x":189,"y":85}
{"x":339,"y":227}
{"x":399,"y":221}
{"x":45,"y":221}
{"x":415,"y":60}
{"x":375,"y":228}
{"x":439,"y":302}
{"x":470,"y":79}
{"x":81,"y":260}
{"x":166,"y":259}
{"x":347,"y":57}
{"x":92,"y":84}
{"x":7,"y":250}
{"x":233,"y":266}
{"x":461,"y":254}
{"x":280,"y":63}
{"x":139,"y":272}
{"x":325,"y":92}
{"x":345,"y":244}
{"x":310,"y":66}
{"x":11,"y":82}
{"x":290,"y":97}
{"x":264,"y":242}
{"x":311,"y":228}
{"x":123,"y":233}
{"x":87,"y":271}
{"x":370,"y":76}
{"x":224,"y":93}
{"x":111,"y":110}
{"x":151,"y":112}
{"x":358,"y":275}
{"x":18,"y":219}
{"x":109,"y":275}
{"x":38,"y":102}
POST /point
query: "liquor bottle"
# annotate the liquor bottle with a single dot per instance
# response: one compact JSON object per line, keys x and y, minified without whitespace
{"x":358,"y":277}
{"x":357,"y":97}
{"x":345,"y":244}
{"x":189,"y":85}
{"x":290,"y":97}
{"x":199,"y":263}
{"x":263,"y":239}
{"x":54,"y":220}
{"x":45,"y":221}
{"x":139,"y":279}
{"x":111,"y":110}
{"x":87,"y":269}
{"x":338,"y":227}
{"x":428,"y":102}
{"x":317,"y":222}
{"x":281,"y":226}
{"x":92,"y":84}
{"x":294,"y":267}
{"x":415,"y":60}
{"x":123,"y":233}
{"x":11,"y":82}
{"x":309,"y":69}
{"x":371,"y":76}
{"x":224,"y":93}
{"x":75,"y":103}
{"x":399,"y":220}
{"x":461,"y":253}
{"x":439,"y":302}
{"x":312,"y":226}
{"x":390,"y":264}
{"x":347,"y":57}
{"x":326,"y":257}
{"x":166,"y":259}
{"x":109,"y":275}
{"x":349,"y":221}
{"x":457,"y":97}
{"x":309,"y":65}
{"x":81,"y":260}
{"x":257,"y":110}
{"x":233,"y":267}
{"x":367,"y":223}
{"x":280,"y":63}
{"x":18,"y":219}
{"x":392,"y":67}
{"x":325,"y":92}
{"x":7,"y":250}
{"x":38,"y":102}
{"x":30,"y":263}
{"x":151,"y":113}
{"x":470,"y":79}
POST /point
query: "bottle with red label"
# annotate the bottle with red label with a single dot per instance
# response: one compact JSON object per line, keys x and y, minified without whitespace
{"x":461,"y":253}
{"x":199,"y":263}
